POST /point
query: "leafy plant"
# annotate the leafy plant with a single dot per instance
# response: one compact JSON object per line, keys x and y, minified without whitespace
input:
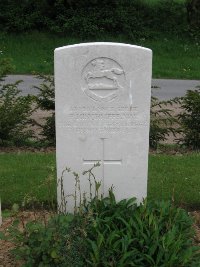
{"x":109,"y":233}
{"x":161,"y":121}
{"x":190,"y":119}
{"x":46,"y":101}
{"x":15,"y":112}
{"x":151,"y":234}
{"x":46,"y":96}
{"x":55,"y":244}
{"x":5,"y":67}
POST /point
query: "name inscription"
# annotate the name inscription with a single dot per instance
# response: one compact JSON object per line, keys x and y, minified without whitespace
{"x":103,"y":119}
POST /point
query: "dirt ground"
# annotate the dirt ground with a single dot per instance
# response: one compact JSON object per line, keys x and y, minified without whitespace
{"x":8,"y":260}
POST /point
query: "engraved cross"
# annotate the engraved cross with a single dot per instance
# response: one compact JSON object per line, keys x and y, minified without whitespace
{"x":103,"y":161}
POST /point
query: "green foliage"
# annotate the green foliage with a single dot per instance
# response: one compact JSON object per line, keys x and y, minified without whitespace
{"x":15,"y":111}
{"x":90,"y":18}
{"x":55,"y":244}
{"x":5,"y":67}
{"x":22,"y":15}
{"x":193,"y":15}
{"x":110,"y":233}
{"x":46,"y":96}
{"x":161,"y":121}
{"x":190,"y":119}
{"x":46,"y":101}
{"x":152,"y":234}
{"x":49,"y":130}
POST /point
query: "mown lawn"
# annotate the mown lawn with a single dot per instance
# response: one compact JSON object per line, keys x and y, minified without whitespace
{"x":176,"y":178}
{"x":172,"y":57}
{"x":24,"y":177}
{"x":170,"y":177}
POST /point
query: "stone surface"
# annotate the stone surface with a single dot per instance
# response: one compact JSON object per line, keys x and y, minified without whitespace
{"x":102,"y":115}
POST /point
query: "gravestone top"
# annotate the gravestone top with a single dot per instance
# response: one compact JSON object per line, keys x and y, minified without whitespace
{"x":102,"y":115}
{"x":102,"y":43}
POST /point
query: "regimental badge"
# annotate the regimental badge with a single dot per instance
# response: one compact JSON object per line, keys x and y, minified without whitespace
{"x":103,"y":79}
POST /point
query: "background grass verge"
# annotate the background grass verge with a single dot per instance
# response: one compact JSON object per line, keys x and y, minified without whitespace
{"x":170,"y":177}
{"x":173,"y":57}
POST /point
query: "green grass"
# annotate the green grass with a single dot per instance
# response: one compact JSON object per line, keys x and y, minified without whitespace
{"x":172,"y":57}
{"x":170,"y":177}
{"x":175,"y":177}
{"x":23,"y":175}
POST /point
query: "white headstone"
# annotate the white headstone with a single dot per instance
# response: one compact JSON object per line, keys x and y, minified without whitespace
{"x":102,"y":115}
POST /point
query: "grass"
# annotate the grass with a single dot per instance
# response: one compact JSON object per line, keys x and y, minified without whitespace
{"x":176,"y":178}
{"x":23,"y":176}
{"x":172,"y":57}
{"x":170,"y":177}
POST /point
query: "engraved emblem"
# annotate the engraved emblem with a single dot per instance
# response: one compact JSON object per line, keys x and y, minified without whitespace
{"x":103,"y":79}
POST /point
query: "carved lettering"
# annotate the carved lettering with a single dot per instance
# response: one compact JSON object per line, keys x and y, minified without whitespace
{"x":103,"y":119}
